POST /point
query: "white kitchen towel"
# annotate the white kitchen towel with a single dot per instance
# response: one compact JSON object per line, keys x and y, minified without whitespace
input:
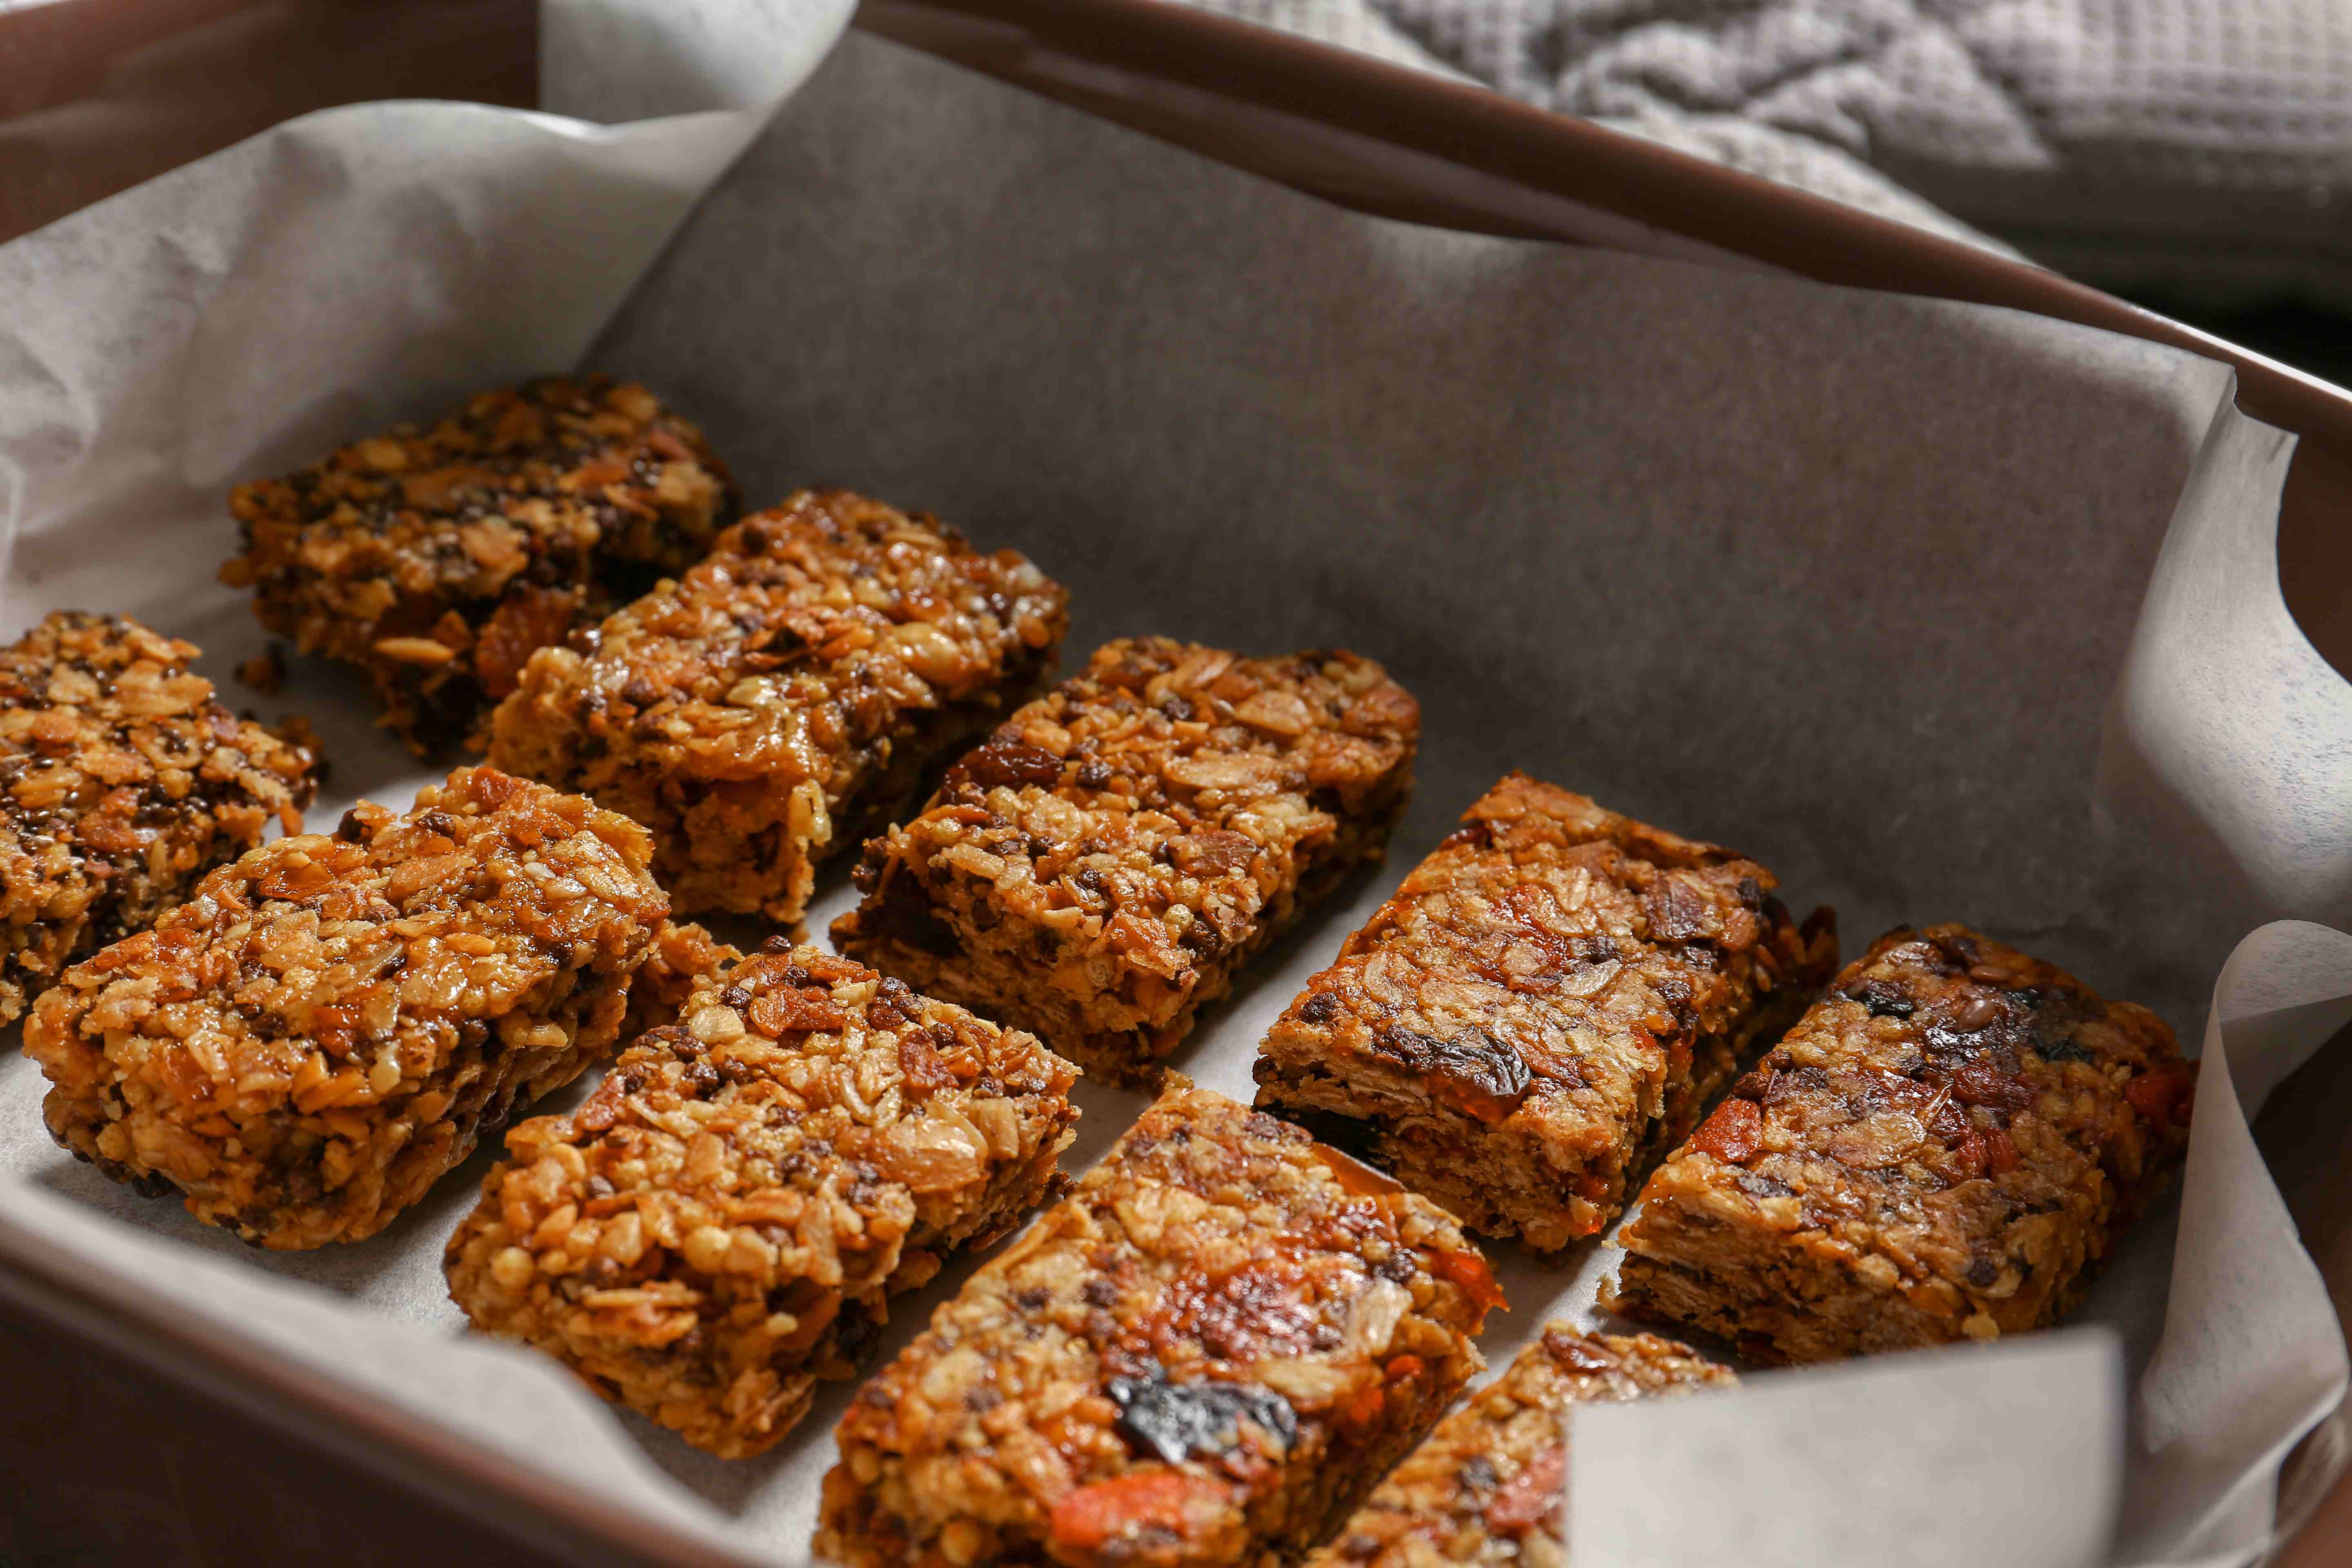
{"x":2198,"y":148}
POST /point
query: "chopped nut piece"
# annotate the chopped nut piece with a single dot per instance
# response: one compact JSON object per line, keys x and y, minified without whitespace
{"x":1488,"y":1486}
{"x":1108,"y":861}
{"x":265,"y":671}
{"x":1542,"y":1011}
{"x":1947,"y":1146}
{"x":798,"y":683}
{"x":121,"y":783}
{"x":1205,"y":1355}
{"x":723,"y":1222}
{"x":481,"y":946}
{"x":439,"y":558}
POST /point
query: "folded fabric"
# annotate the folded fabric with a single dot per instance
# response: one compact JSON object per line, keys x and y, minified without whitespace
{"x":2197,"y":148}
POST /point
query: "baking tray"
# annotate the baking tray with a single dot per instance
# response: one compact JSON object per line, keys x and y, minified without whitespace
{"x":1604,"y":179}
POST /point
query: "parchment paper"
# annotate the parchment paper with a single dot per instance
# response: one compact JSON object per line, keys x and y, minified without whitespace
{"x":1847,"y":580}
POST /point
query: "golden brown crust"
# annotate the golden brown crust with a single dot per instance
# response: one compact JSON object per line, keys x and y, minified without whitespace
{"x":724,"y":1220}
{"x":800,"y":680}
{"x":438,"y":559}
{"x":321,"y":1030}
{"x":1204,"y":1356}
{"x":1108,"y":861}
{"x":1945,"y":1147}
{"x":1488,"y":1485}
{"x":1542,"y":1010}
{"x":121,"y":782}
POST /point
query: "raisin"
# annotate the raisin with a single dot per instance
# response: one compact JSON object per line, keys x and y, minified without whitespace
{"x":1479,"y":1075}
{"x":1883,"y":1000}
{"x":1175,"y":1421}
{"x":1677,"y":913}
{"x":1007,"y":762}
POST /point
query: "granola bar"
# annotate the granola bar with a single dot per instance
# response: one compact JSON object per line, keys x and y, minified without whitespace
{"x":322,"y":1029}
{"x":121,"y":782}
{"x":1205,"y":1355}
{"x":438,"y":559}
{"x":722,"y":1223}
{"x":1542,"y":1011}
{"x":1945,"y":1147}
{"x":1106,"y":865}
{"x":797,"y":684}
{"x":1489,"y":1484}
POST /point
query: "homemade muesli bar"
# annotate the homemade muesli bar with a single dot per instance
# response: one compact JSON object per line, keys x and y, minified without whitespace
{"x":1945,"y":1147}
{"x":1542,"y":1010}
{"x":797,"y":684}
{"x":1107,"y":863}
{"x":438,"y":559}
{"x":1489,"y":1484}
{"x":1206,"y":1355}
{"x":724,"y":1220}
{"x":321,"y":1030}
{"x":121,"y":782}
